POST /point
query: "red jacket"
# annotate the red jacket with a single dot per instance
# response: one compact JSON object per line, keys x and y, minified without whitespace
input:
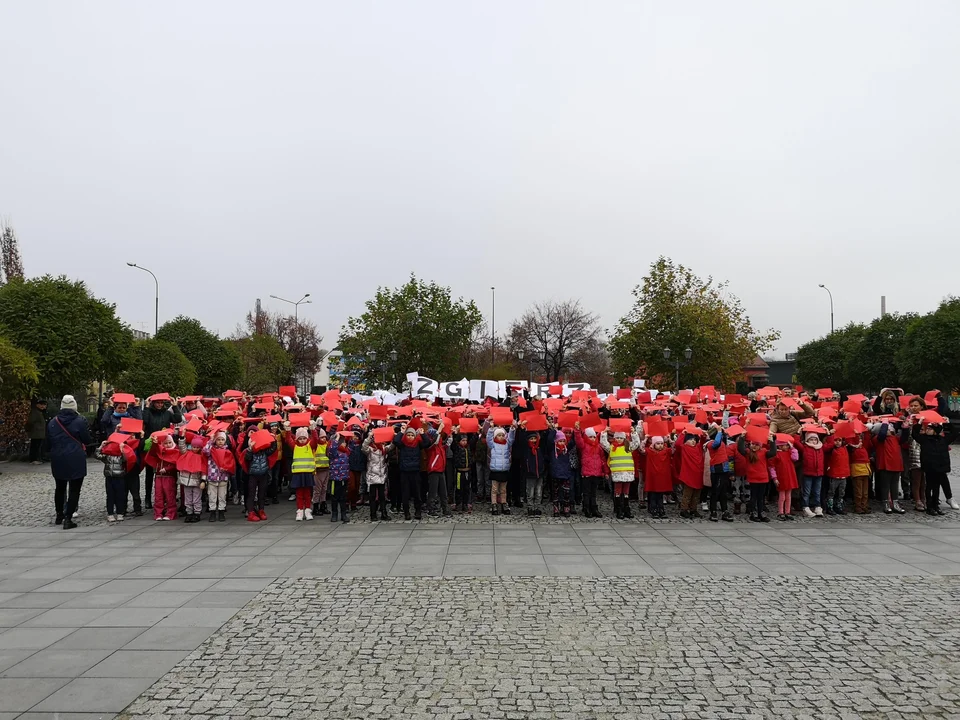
{"x":719,"y":455}
{"x":813,"y":461}
{"x":592,"y":458}
{"x":691,"y":464}
{"x":889,"y":456}
{"x":786,"y":471}
{"x":859,"y":454}
{"x":436,"y":456}
{"x":838,"y":462}
{"x":759,"y":471}
{"x":657,"y":475}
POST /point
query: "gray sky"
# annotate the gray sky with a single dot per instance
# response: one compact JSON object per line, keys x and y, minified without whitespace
{"x":548,"y":148}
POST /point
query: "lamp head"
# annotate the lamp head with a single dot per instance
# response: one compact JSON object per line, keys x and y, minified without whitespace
{"x":666,"y":353}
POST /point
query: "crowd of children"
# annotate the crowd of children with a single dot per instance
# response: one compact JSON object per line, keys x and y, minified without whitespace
{"x":701,"y":450}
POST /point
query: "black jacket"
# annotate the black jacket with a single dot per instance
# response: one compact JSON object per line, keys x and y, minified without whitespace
{"x":934,"y":449}
{"x":69,"y":437}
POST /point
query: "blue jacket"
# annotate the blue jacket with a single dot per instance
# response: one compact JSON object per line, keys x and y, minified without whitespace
{"x":358,"y":458}
{"x":500,"y":454}
{"x":409,"y":457}
{"x":69,"y":437}
{"x":339,"y":463}
{"x":559,"y":464}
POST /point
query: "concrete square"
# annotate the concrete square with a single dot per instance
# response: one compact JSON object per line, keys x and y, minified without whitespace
{"x":57,"y":663}
{"x":31,"y":638}
{"x":171,"y":638}
{"x":20,"y":694}
{"x":130,"y":617}
{"x":137,"y":663}
{"x":105,"y":638}
{"x":11,"y":617}
{"x":193,"y":617}
{"x":94,"y":695}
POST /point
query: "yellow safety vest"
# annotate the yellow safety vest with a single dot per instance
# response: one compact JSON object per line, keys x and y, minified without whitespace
{"x":303,"y":459}
{"x":323,"y":462}
{"x":620,"y":460}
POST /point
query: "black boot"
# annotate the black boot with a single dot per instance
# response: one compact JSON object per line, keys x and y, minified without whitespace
{"x":595,"y":510}
{"x":68,"y":524}
{"x":316,"y":508}
{"x":221,"y":515}
{"x":59,"y":520}
{"x":626,"y":508}
{"x":213,"y":516}
{"x":384,"y":516}
{"x":618,"y":507}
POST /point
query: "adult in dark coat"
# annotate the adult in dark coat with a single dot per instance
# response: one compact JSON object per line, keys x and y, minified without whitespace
{"x":37,"y":429}
{"x":157,"y":416}
{"x":69,"y":437}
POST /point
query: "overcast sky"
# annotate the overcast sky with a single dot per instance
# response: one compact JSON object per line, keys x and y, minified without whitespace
{"x":552,"y":149}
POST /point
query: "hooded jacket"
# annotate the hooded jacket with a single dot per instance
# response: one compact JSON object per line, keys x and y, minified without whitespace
{"x":68,"y":436}
{"x":500,"y":454}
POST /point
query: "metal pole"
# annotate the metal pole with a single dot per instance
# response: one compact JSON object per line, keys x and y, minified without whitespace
{"x":156,"y":297}
{"x":493,"y":326}
{"x":831,"y":305}
{"x":678,"y":375}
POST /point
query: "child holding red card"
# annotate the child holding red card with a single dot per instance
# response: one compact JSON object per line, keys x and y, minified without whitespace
{"x":860,"y":473}
{"x":691,"y":460}
{"x":377,"y":448}
{"x":750,"y":446}
{"x":657,"y":475}
{"x":620,"y":461}
{"x":838,"y":470}
{"x":784,"y":474}
{"x":302,"y":450}
{"x":322,"y":475}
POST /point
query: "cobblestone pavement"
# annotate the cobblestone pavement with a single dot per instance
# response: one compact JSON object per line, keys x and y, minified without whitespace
{"x":28,"y":502}
{"x":530,"y":648}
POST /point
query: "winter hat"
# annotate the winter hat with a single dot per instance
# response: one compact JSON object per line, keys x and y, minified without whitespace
{"x":287,"y":400}
{"x":321,"y":434}
{"x":590,"y":432}
{"x":499,"y":431}
{"x":560,"y":437}
{"x":302,"y":433}
{"x":656,"y":439}
{"x":619,"y":436}
{"x":197,"y":441}
{"x":69,"y":402}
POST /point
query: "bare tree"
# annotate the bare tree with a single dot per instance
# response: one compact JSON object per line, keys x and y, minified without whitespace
{"x":554,"y":335}
{"x":11,"y":263}
{"x":299,"y":338}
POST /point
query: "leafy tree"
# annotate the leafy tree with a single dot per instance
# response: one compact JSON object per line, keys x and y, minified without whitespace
{"x":158,"y":366}
{"x":264,"y":363}
{"x":74,"y":337}
{"x":673,"y":308}
{"x":874,"y":364}
{"x":18,"y":372}
{"x":826,"y":362}
{"x":11,"y":264}
{"x":217,"y":363}
{"x":930,"y":355}
{"x":429,"y":331}
{"x":553,"y":334}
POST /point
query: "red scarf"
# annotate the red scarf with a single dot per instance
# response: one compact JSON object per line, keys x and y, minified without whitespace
{"x":410,"y":442}
{"x":500,"y":439}
{"x":224,"y":459}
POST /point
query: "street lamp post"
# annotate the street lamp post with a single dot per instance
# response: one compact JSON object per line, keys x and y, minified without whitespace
{"x":372,"y":355}
{"x":520,"y":354}
{"x":493,"y":325}
{"x":156,"y":297}
{"x":831,"y":305}
{"x":296,"y":321}
{"x":677,"y":362}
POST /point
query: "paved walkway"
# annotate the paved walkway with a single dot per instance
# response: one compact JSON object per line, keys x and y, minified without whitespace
{"x":91,"y":618}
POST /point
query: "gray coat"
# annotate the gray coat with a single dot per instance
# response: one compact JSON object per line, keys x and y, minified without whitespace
{"x":377,"y":461}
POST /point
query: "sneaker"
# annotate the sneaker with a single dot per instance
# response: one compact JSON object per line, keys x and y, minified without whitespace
{"x":713,"y":517}
{"x":818,"y":511}
{"x":727,"y":517}
{"x":307,"y":514}
{"x":807,"y":512}
{"x":262,"y":514}
{"x":252,"y":516}
{"x":953,"y":504}
{"x":888,"y":510}
{"x":897,"y":509}
{"x":165,"y":518}
{"x":111,"y":518}
{"x":764,"y":518}
{"x":292,"y":497}
{"x":299,"y":515}
{"x":684,"y":514}
{"x":829,"y":511}
{"x":119,"y":518}
{"x":754,"y":517}
{"x":705,"y":506}
{"x":781,"y":517}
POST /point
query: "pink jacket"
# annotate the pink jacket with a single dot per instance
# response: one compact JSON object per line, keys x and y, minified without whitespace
{"x":591,"y":456}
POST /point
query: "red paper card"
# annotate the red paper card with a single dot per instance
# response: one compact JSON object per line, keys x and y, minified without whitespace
{"x":701,"y":417}
{"x":656,"y":428}
{"x":844,"y":430}
{"x":298,"y":420}
{"x":469,"y":425}
{"x":757,"y":434}
{"x":378,"y":412}
{"x":131,"y":425}
{"x":567,"y":420}
{"x":623,"y":425}
{"x":383,"y":435}
{"x":501,"y":416}
{"x":734,"y":431}
{"x":535,"y":421}
{"x":123,"y":398}
{"x":758,"y":418}
{"x":591,"y":420}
